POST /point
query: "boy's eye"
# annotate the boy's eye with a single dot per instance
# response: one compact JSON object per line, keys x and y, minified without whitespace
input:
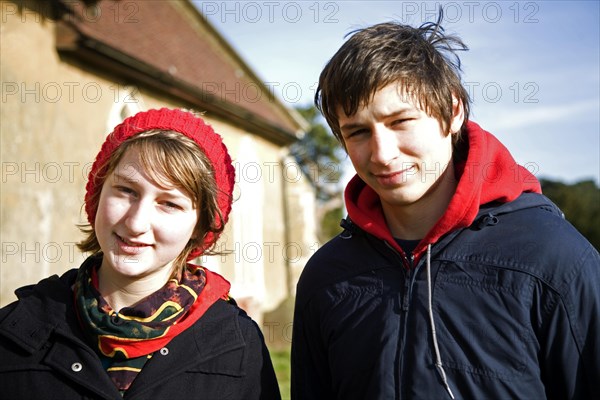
{"x":170,"y":204}
{"x":357,"y":133}
{"x":401,"y":121}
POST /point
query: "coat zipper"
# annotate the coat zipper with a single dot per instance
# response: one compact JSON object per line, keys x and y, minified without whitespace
{"x":410,"y":276}
{"x":408,"y":283}
{"x":408,"y":287}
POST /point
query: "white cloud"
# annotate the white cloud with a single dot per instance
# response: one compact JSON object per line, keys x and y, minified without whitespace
{"x":544,"y":114}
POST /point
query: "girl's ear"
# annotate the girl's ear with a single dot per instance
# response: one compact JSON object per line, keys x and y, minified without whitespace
{"x":458,"y":115}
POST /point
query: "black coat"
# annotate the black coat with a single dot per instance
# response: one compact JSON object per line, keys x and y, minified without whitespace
{"x":43,"y":354}
{"x":516,"y":303}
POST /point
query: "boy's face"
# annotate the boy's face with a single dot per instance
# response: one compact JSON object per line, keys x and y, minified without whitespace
{"x":397,"y":149}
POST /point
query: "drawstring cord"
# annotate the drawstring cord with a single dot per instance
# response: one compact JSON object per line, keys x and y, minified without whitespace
{"x":438,"y":358}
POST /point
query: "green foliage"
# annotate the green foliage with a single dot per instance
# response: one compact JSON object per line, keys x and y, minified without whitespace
{"x":580,"y":202}
{"x":330,"y":224}
{"x":319,"y":155}
{"x":281,"y":363}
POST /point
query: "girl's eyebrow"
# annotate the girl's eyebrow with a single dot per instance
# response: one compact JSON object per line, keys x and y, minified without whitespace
{"x":120,"y":176}
{"x":170,"y":192}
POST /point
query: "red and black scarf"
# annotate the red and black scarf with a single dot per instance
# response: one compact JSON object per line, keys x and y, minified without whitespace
{"x":125,"y":340}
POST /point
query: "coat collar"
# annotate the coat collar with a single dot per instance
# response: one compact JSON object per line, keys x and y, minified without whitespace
{"x":42,"y":310}
{"x":44,"y":320}
{"x":488,"y":175}
{"x":214,"y":345}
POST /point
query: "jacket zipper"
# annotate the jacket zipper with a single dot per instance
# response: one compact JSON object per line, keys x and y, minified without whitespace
{"x":408,"y":283}
{"x":408,"y":287}
{"x":410,"y":276}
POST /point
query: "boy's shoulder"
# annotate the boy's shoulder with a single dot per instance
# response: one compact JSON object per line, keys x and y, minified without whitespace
{"x":529,"y":235}
{"x":349,"y":254}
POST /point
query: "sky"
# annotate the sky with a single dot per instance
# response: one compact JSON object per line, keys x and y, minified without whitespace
{"x":532,"y":69}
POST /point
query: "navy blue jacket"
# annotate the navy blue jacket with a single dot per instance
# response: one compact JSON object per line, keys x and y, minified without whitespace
{"x":43,"y":354}
{"x":515,"y":299}
{"x":499,"y":300}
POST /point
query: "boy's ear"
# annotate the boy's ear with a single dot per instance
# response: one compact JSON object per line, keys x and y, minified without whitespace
{"x":458,"y":115}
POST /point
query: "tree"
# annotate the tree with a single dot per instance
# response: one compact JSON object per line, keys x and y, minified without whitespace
{"x":320,"y":157}
{"x":580,"y":202}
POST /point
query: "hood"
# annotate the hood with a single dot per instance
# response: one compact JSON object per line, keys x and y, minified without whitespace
{"x":489,"y":174}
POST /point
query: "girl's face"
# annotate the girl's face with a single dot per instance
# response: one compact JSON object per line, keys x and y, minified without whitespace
{"x":141,"y":227}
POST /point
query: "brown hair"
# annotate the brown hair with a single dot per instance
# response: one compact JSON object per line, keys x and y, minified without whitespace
{"x":171,"y":160}
{"x":421,"y":60}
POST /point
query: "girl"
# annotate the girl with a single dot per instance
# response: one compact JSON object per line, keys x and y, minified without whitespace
{"x":137,"y":320}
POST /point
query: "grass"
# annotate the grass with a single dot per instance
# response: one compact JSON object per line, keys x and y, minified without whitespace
{"x":281,"y":363}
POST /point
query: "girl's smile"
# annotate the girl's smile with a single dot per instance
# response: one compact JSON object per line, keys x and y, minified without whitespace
{"x":141,"y":226}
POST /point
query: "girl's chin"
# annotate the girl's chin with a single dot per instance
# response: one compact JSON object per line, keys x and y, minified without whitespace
{"x":132,"y":267}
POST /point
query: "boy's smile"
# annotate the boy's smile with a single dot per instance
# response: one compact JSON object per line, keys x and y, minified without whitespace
{"x":400,"y":151}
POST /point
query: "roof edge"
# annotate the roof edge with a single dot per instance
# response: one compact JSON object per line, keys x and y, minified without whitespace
{"x":71,"y":41}
{"x":292,"y":114}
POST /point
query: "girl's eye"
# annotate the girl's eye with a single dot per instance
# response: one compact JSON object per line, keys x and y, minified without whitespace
{"x":125,"y":190}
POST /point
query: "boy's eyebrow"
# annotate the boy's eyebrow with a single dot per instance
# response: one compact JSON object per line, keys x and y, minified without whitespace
{"x":404,"y":110}
{"x":350,"y":125}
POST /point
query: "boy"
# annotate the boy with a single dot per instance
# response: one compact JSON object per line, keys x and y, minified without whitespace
{"x":454,"y":277}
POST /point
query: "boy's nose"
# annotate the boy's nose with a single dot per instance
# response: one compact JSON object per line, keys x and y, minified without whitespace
{"x":384,"y":147}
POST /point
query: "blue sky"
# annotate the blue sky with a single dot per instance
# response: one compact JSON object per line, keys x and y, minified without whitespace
{"x":532,"y":69}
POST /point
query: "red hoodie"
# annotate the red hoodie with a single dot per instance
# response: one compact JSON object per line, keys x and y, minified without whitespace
{"x":489,"y":174}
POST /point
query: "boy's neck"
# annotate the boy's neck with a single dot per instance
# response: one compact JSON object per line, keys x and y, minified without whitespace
{"x":414,"y":221}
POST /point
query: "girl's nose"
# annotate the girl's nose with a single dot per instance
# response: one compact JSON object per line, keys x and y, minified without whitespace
{"x":138,"y":218}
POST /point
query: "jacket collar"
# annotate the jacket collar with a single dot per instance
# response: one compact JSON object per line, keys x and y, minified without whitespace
{"x":44,"y":321}
{"x":489,"y":175}
{"x":44,"y":318}
{"x":215,"y":345}
{"x":42,"y":310}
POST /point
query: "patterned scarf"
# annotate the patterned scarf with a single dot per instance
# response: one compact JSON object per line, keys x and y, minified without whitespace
{"x":127,"y":339}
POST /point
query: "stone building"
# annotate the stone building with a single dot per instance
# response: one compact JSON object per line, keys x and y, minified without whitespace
{"x":72,"y":70}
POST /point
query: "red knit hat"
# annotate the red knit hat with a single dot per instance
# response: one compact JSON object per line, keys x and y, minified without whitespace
{"x":185,"y":123}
